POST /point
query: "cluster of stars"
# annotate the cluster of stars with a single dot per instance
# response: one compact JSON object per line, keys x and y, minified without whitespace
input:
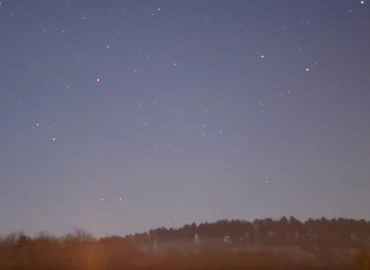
{"x":134,"y":83}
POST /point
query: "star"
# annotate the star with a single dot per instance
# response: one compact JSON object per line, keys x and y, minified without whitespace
{"x":175,"y":64}
{"x":98,"y":80}
{"x":54,"y":139}
{"x":362,"y":2}
{"x":159,"y":9}
{"x":102,"y":199}
{"x":37,"y":124}
{"x":120,"y":199}
{"x":262,"y":56}
{"x":307,"y":69}
{"x":221,"y":132}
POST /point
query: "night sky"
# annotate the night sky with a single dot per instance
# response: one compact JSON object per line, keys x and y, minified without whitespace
{"x":121,"y":116}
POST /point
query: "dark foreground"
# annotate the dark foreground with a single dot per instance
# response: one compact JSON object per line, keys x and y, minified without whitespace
{"x":84,"y":252}
{"x":100,"y":257}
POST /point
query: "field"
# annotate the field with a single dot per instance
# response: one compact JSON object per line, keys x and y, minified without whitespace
{"x":98,"y":255}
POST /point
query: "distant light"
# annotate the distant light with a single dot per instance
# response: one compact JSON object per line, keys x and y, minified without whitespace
{"x":98,"y":79}
{"x":37,"y":124}
{"x":102,"y":199}
{"x":54,"y":139}
{"x":159,"y":9}
{"x":362,"y":2}
{"x":262,"y":56}
{"x":307,"y":69}
{"x":120,"y":199}
{"x":175,"y":64}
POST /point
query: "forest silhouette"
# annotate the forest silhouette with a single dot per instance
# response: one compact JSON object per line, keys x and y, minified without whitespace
{"x":286,"y":243}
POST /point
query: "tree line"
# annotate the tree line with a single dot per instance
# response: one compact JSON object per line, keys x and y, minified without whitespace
{"x":81,"y":250}
{"x":336,"y":232}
